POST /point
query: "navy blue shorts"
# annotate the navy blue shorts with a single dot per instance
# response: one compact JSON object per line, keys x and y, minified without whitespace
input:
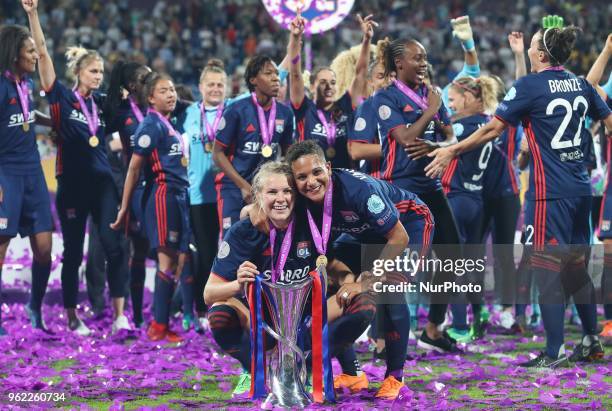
{"x":563,"y":221}
{"x":229,"y":205}
{"x":166,"y":218}
{"x":136,"y":225}
{"x":468,"y":212}
{"x":25,"y":207}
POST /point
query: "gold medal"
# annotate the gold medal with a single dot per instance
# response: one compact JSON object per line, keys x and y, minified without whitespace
{"x":208,"y":147}
{"x":26,"y":127}
{"x":266,"y":151}
{"x":321,"y":261}
{"x":94,"y":141}
{"x":184,"y":161}
{"x":330,"y":152}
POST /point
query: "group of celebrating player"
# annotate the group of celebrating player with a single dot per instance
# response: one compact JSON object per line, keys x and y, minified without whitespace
{"x":439,"y":167}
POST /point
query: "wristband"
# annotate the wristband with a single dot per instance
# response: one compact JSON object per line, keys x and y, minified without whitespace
{"x":295,"y":60}
{"x":468,"y":45}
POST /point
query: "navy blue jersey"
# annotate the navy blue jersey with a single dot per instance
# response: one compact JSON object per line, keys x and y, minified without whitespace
{"x":465,"y":172}
{"x":363,"y":206}
{"x":162,"y":151}
{"x":501,"y":176}
{"x":18,"y":150}
{"x":552,"y":105}
{"x":365,"y":130}
{"x":75,"y":156}
{"x":395,"y":109}
{"x":243,"y":242}
{"x":240,"y":134}
{"x":309,"y":127}
{"x":125,"y":123}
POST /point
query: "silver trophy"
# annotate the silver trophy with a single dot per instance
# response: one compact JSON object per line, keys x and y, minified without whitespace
{"x":286,"y":363}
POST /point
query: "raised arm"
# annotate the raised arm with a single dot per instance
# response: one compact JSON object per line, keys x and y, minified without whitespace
{"x":358,"y":88}
{"x":45,"y":63}
{"x":296,"y":82}
{"x":518,"y":49}
{"x":463,"y":31}
{"x":598,"y":68}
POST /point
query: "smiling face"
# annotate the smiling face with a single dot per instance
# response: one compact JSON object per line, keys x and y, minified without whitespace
{"x":212,"y":88}
{"x":267,"y":82}
{"x":537,"y":57}
{"x":163,"y":98}
{"x":277,"y":199}
{"x":312,"y":176}
{"x":28,"y":57}
{"x":91,"y":75}
{"x":412,"y":66}
{"x":324,"y":87}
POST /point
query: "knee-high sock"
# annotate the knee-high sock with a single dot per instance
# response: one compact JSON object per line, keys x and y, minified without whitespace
{"x":137,"y":281}
{"x":459,"y":316}
{"x":187,"y":288}
{"x":40,"y":279}
{"x":397,"y":327}
{"x":581,"y":288}
{"x":546,"y":270}
{"x":606,"y":285}
{"x":164,"y":288}
{"x":228,"y":333}
{"x":345,"y":330}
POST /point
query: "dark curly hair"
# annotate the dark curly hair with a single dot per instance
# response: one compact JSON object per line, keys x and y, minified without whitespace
{"x":558,"y":43}
{"x":255,"y":65}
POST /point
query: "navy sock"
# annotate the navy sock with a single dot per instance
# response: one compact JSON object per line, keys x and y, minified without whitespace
{"x":606,"y":286}
{"x":397,"y":327}
{"x":187,"y":288}
{"x":546,"y":270}
{"x":40,"y":279}
{"x":164,"y":288}
{"x":459,"y":316}
{"x":227,"y":332}
{"x":583,"y":291}
{"x":137,"y":280}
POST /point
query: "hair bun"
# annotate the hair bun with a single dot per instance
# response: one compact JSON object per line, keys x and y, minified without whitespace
{"x":215,"y":63}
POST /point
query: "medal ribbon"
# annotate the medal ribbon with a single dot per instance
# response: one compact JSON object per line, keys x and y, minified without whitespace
{"x":211,"y":129}
{"x":322,"y":240}
{"x":135,"y":109}
{"x":266,"y":132}
{"x":258,"y":360}
{"x":23,"y":92}
{"x":330,"y":127}
{"x":321,"y":363}
{"x":171,"y":129}
{"x":92,"y":117}
{"x":418,"y":100}
{"x":284,"y":250}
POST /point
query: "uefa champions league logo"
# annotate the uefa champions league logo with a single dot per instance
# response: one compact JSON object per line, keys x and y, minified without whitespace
{"x":321,"y":15}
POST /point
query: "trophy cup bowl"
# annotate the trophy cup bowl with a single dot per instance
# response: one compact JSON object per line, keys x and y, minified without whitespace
{"x":287,"y":365}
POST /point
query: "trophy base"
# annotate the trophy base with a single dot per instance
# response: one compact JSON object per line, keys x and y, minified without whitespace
{"x":294,"y":401}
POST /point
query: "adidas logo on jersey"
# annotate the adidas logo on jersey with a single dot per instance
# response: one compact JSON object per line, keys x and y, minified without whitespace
{"x":250,"y":128}
{"x":13,"y":101}
{"x":129,"y":121}
{"x":408,"y":108}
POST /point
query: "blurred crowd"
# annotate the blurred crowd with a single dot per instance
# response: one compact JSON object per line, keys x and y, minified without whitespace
{"x":179,"y":37}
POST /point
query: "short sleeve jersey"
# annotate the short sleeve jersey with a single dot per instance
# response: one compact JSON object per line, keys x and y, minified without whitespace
{"x":552,"y":105}
{"x":243,"y":242}
{"x":162,"y":151}
{"x":464,"y":174}
{"x":363,"y":206}
{"x":365,"y":130}
{"x":501,"y":178}
{"x":75,"y":156}
{"x":309,"y":127}
{"x":18,"y":149}
{"x":239,"y":132}
{"x":395,"y":109}
{"x":125,"y":123}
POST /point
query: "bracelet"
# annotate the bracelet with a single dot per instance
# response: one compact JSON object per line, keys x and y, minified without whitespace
{"x":296,"y":59}
{"x":468,"y":45}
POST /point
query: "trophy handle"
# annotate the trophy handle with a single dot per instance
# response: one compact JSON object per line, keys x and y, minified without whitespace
{"x":295,"y":348}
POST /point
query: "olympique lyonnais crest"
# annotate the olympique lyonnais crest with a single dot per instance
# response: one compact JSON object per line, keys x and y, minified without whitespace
{"x":321,"y":15}
{"x":303,"y":249}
